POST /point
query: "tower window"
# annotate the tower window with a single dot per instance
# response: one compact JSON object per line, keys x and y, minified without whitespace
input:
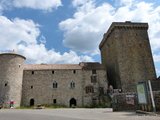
{"x":72,"y":85}
{"x":32,"y":72}
{"x":55,"y":85}
{"x":32,"y":87}
{"x":52,"y":71}
{"x":54,"y":101}
{"x":6,"y":84}
{"x":94,"y":72}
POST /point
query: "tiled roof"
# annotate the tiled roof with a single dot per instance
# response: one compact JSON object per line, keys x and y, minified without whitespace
{"x":81,"y":65}
{"x":12,"y":53}
{"x":52,"y":66}
{"x":91,"y":65}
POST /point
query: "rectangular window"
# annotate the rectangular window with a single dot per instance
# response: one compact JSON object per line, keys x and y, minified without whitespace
{"x":52,"y":71}
{"x":93,"y":79}
{"x":32,"y":72}
{"x":54,"y":101}
{"x":94,"y":72}
{"x":89,"y":89}
{"x":101,"y":90}
{"x":74,"y":71}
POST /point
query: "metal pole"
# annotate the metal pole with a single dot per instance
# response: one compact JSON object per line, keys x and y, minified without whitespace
{"x":150,"y":88}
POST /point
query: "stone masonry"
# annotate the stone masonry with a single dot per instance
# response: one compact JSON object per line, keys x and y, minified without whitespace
{"x":126,"y":60}
{"x":38,"y":83}
{"x":126,"y":54}
{"x":11,"y":72}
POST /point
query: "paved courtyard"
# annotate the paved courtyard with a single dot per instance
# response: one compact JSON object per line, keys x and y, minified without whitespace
{"x":71,"y":114}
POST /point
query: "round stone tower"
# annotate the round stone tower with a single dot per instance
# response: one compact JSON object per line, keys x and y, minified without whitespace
{"x":11,"y":75}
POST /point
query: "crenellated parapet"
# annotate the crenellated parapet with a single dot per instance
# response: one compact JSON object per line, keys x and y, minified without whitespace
{"x":121,"y":25}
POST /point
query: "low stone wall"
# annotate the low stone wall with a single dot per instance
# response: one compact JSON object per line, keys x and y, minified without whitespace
{"x":157,"y":99}
{"x":155,"y":85}
{"x":120,"y":102}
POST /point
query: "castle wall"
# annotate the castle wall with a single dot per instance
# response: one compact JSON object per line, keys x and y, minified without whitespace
{"x":94,"y":99}
{"x":11,"y":72}
{"x":126,"y":52}
{"x":43,"y":91}
{"x":38,"y":85}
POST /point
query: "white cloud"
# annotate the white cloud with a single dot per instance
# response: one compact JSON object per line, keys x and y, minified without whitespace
{"x":46,"y":5}
{"x":38,"y":4}
{"x":156,"y":58}
{"x":85,"y":30}
{"x":76,"y":3}
{"x":37,"y":54}
{"x":126,"y":2}
{"x":21,"y":35}
{"x":158,"y":72}
{"x":16,"y":31}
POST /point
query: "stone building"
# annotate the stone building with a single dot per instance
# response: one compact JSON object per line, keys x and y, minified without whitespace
{"x":11,"y":74}
{"x":75,"y":84}
{"x":126,"y":60}
{"x":81,"y":84}
{"x":126,"y":53}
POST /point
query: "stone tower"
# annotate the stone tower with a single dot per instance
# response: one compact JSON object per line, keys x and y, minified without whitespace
{"x":11,"y":73}
{"x":126,"y":53}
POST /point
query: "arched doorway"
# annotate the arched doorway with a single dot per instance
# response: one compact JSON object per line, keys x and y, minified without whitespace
{"x":73,"y":102}
{"x":32,"y":102}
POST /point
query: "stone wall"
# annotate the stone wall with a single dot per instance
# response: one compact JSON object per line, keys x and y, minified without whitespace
{"x":38,"y":86}
{"x":155,"y":85}
{"x":119,"y":102}
{"x":126,"y":53}
{"x":11,"y":72}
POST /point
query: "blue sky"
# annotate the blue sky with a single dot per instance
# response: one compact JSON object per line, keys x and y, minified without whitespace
{"x":69,"y":31}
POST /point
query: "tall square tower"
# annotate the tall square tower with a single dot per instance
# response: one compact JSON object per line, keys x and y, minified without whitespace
{"x":126,"y":53}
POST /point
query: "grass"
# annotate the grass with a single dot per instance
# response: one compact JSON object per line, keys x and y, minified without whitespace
{"x":55,"y":106}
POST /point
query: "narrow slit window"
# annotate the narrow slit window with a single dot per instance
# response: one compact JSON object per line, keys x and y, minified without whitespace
{"x":55,"y":84}
{"x":72,"y":84}
{"x":6,"y":84}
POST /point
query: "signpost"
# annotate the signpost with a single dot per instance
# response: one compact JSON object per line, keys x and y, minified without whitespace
{"x":152,"y":98}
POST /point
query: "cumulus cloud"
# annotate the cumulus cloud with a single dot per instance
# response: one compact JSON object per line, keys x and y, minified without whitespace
{"x":156,"y":58}
{"x":38,"y":4}
{"x":46,"y":5}
{"x":16,"y":31}
{"x":37,"y":54}
{"x":22,"y":36}
{"x":85,"y":30}
{"x":76,"y":3}
{"x":158,"y":72}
